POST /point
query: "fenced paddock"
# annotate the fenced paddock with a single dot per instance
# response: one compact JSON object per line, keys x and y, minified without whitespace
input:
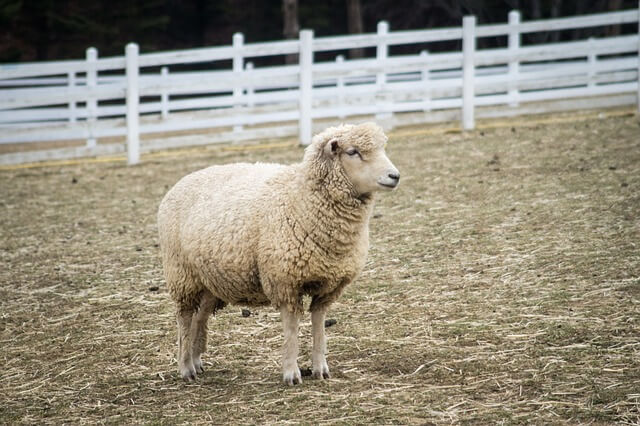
{"x":90,"y":106}
{"x":503,"y":285}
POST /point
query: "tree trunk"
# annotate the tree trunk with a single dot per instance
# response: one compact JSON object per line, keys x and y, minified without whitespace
{"x":581,"y":9}
{"x":201,"y":22}
{"x":556,"y":6}
{"x":354,"y":24}
{"x":536,"y":13}
{"x":291,"y":26}
{"x":614,"y":5}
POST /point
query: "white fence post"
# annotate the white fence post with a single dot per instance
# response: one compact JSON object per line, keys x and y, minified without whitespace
{"x":164,"y":95}
{"x":250,"y":90}
{"x":382,"y":53}
{"x":306,"y":86}
{"x":468,"y":71}
{"x":426,"y":84}
{"x":638,"y":71}
{"x":340,"y":87}
{"x":133,"y":100}
{"x":71,"y":83}
{"x":238,"y":41}
{"x":592,"y":58}
{"x":92,"y":104}
{"x":514,"y":65}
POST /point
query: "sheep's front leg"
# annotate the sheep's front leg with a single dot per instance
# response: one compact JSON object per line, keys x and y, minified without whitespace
{"x":318,"y":359}
{"x":290,"y":371}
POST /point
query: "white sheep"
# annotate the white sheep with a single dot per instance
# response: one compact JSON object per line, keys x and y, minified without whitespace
{"x":254,"y":234}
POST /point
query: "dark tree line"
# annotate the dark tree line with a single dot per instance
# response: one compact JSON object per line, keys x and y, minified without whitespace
{"x":46,"y":29}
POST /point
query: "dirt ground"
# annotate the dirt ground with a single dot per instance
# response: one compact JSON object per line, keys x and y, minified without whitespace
{"x":502,"y":286}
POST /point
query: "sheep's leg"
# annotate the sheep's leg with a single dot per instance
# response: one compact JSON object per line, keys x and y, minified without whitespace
{"x":207,"y":306}
{"x":185,"y":345}
{"x":318,"y":360}
{"x":290,"y":371}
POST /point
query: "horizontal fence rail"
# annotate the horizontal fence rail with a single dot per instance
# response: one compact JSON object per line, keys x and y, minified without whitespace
{"x":102,"y":106}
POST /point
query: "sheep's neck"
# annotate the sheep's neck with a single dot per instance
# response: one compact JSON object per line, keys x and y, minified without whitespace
{"x":332,"y":219}
{"x":331,"y":183}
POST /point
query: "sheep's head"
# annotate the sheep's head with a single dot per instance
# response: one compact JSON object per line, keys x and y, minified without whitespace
{"x":356,"y":153}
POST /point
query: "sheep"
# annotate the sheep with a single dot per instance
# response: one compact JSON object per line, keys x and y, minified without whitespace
{"x":259,"y":234}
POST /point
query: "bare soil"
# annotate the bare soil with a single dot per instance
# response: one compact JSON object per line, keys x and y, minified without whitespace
{"x":503,"y":286}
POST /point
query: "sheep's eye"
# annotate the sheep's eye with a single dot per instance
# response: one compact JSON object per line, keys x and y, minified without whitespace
{"x":351,"y":152}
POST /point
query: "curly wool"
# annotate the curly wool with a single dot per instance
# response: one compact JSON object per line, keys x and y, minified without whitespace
{"x":256,"y":234}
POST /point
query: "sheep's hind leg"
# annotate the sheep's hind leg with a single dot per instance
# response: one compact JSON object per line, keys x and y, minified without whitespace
{"x":290,"y":371}
{"x":207,"y":306}
{"x":185,"y":361}
{"x":320,"y":368}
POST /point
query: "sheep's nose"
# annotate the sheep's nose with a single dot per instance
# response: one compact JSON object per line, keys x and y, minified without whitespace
{"x":394,"y":176}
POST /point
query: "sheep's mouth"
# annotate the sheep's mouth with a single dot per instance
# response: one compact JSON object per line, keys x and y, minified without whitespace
{"x":388,"y":185}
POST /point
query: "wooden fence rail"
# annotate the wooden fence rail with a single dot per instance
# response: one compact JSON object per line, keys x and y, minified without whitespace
{"x":138,"y":94}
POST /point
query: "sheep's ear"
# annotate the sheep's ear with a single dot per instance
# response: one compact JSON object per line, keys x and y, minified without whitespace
{"x":331,"y":148}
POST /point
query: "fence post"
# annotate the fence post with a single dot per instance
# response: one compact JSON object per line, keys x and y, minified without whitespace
{"x":426,"y":84}
{"x":468,"y":71}
{"x":238,"y":41}
{"x":340,"y":88}
{"x":250,"y":90}
{"x":164,"y":95}
{"x":306,"y":86}
{"x":514,"y":64}
{"x":638,"y":71}
{"x":382,"y":53}
{"x":92,"y":104}
{"x":133,"y":100}
{"x":71,"y":82}
{"x":591,"y":64}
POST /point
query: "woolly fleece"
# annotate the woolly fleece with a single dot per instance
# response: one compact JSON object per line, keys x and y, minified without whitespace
{"x":254,"y":234}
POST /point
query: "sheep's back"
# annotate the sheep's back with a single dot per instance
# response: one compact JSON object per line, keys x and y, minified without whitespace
{"x":216,"y":190}
{"x":207,"y":221}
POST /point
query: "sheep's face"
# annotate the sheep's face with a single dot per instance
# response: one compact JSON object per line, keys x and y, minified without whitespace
{"x":360,"y":151}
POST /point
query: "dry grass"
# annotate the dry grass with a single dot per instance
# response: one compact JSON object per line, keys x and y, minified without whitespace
{"x":503,"y":286}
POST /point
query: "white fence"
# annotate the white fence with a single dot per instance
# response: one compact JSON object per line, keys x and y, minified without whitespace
{"x":102,"y":100}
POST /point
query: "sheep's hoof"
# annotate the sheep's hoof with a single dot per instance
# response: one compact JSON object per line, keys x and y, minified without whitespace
{"x":189,"y":378}
{"x":321,"y":375}
{"x":292,"y":377}
{"x":322,"y":372}
{"x":197,"y":363}
{"x":188,"y":374}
